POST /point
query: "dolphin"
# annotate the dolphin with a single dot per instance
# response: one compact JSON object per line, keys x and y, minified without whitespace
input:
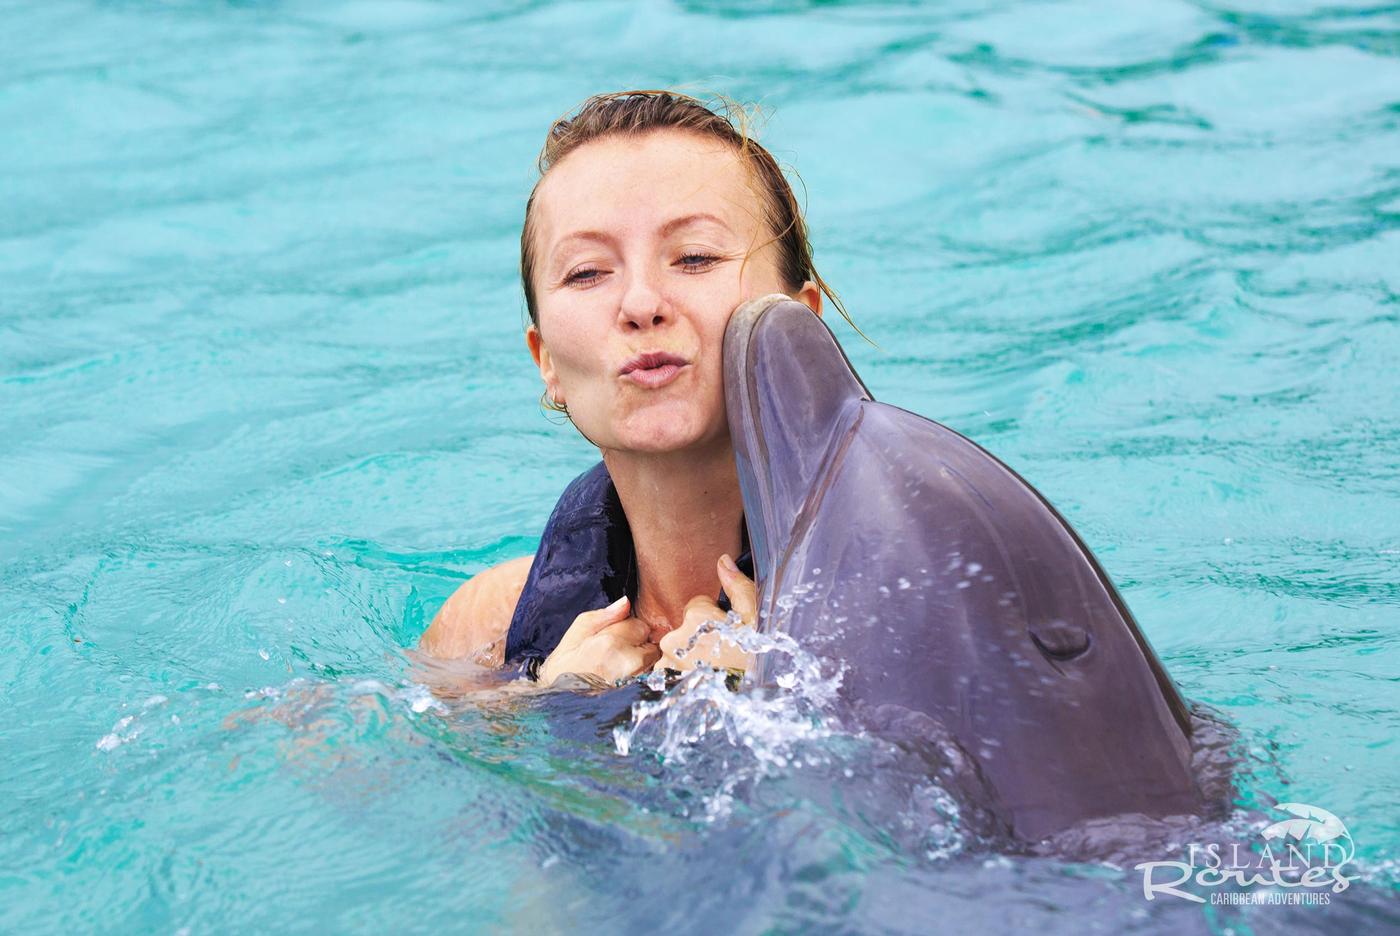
{"x":958,"y":602}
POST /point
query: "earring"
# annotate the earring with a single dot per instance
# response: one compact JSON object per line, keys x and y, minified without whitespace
{"x":553,"y":404}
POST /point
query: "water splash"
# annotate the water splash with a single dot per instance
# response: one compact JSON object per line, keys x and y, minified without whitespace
{"x":756,"y":732}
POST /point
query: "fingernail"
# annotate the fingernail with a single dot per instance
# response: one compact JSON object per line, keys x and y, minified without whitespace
{"x":618,"y":603}
{"x":728,"y":563}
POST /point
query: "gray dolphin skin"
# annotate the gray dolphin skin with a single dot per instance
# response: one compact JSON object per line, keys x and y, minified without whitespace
{"x":952,"y":593}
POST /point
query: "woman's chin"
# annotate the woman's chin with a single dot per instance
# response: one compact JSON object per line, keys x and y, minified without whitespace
{"x":660,"y":433}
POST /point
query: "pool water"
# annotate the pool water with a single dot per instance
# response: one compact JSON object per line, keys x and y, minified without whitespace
{"x":264,"y":403}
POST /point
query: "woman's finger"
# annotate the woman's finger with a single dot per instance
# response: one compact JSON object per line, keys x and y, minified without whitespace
{"x":591,"y":622}
{"x":631,"y":631}
{"x":742,"y":592}
{"x":672,"y":640}
{"x":699,"y":609}
{"x":695,"y":613}
{"x":631,"y":661}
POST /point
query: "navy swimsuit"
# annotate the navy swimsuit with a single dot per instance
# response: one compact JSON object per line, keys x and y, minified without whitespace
{"x":585,"y":562}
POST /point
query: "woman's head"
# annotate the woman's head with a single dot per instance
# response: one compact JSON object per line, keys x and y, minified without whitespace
{"x":653,"y":219}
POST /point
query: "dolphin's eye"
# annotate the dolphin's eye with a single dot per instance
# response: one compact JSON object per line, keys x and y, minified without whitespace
{"x":1060,"y":640}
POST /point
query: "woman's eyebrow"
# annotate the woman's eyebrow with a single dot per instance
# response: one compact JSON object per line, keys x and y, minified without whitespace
{"x":669,"y":227}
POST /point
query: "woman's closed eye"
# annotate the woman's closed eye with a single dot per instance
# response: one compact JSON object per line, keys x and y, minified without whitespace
{"x":690,"y":263}
{"x":706,"y":261}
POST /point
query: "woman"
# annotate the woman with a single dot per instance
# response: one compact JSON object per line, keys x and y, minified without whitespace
{"x":653,"y":219}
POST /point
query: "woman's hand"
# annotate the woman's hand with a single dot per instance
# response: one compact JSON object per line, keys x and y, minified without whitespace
{"x":605,"y":644}
{"x":710,"y":647}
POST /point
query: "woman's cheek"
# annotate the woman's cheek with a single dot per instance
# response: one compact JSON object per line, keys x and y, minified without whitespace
{"x":577,"y":371}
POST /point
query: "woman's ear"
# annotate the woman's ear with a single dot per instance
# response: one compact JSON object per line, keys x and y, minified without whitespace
{"x":810,"y":295}
{"x":535,"y":342}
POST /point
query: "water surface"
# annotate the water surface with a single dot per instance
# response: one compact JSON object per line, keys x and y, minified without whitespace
{"x":264,"y":403}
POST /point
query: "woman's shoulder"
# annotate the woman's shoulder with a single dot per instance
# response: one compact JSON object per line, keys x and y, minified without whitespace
{"x":473,"y":622}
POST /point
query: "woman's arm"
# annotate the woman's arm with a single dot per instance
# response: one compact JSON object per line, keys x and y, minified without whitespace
{"x":474,"y":621}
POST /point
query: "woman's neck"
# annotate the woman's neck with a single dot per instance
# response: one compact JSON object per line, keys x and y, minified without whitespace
{"x":684,"y":510}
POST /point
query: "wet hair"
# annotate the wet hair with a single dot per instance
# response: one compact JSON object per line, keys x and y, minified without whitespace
{"x":634,"y":113}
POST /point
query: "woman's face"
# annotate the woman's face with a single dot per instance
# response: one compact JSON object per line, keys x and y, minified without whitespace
{"x":638,"y":245}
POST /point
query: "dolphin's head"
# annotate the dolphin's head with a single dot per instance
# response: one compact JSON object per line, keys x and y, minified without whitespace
{"x":788,"y":387}
{"x":944,"y":584}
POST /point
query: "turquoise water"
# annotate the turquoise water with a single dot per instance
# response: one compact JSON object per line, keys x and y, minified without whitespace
{"x":264,"y":403}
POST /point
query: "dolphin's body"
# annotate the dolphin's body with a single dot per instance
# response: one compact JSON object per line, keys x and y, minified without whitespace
{"x":959,"y":602}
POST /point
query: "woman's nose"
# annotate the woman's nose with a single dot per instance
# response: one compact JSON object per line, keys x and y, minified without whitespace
{"x":644,"y":305}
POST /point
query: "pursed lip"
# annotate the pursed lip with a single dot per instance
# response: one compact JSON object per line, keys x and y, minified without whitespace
{"x":651,"y":359}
